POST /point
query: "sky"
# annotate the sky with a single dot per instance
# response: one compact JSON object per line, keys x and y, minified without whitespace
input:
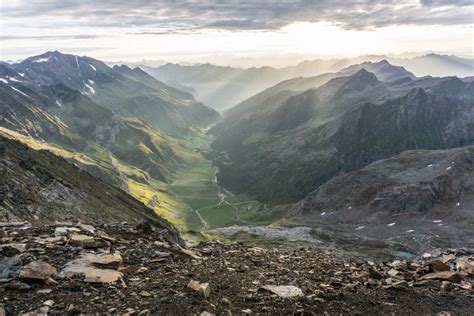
{"x":235,"y":32}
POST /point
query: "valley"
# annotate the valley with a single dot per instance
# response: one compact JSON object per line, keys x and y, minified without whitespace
{"x":195,"y":202}
{"x":219,"y":158}
{"x":245,"y":172}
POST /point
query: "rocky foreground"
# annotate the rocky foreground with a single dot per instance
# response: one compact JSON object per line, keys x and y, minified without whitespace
{"x":73,"y":268}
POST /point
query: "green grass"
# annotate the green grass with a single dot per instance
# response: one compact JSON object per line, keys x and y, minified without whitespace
{"x":191,"y":186}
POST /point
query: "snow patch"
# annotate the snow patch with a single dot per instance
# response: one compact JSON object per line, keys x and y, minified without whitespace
{"x":77,"y":62}
{"x":59,"y":103}
{"x":360,"y":227}
{"x":323,"y":213}
{"x":391,"y":224}
{"x":437,"y":221}
{"x":8,"y":121}
{"x":457,"y":204}
{"x":429,"y":166}
{"x":93,"y":67}
{"x":91,"y":81}
{"x":21,"y":74}
{"x":42,"y":60}
{"x":4,"y":80}
{"x":91,"y":89}
{"x":14,"y":79}
{"x":410,"y":231}
{"x":448,"y":168}
{"x":19,"y":91}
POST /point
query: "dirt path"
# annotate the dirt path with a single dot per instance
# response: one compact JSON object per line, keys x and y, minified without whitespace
{"x":205,"y":225}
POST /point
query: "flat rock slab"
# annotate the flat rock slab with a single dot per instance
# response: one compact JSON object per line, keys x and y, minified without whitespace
{"x":96,"y":268}
{"x":91,"y":274}
{"x":285,"y":291}
{"x":50,"y":240}
{"x":444,"y":276}
{"x":12,"y":249}
{"x":87,"y":242}
{"x":38,"y":271}
{"x":110,"y":261}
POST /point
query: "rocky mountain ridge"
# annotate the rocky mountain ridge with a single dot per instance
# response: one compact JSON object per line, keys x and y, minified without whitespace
{"x":421,"y":199}
{"x":223,"y":87}
{"x":286,"y":145}
{"x":124,"y":91}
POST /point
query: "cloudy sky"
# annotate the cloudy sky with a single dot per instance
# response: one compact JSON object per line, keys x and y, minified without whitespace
{"x":234,"y":31}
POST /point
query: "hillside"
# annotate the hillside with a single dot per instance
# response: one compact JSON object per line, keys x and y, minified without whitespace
{"x":422,"y":199}
{"x":123,"y":90}
{"x":124,"y":151}
{"x":284,"y":147}
{"x":69,"y":119}
{"x":40,"y":187}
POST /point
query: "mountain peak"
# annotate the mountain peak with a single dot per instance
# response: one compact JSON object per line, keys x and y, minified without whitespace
{"x":384,"y":70}
{"x":365,"y":76}
{"x":121,"y":68}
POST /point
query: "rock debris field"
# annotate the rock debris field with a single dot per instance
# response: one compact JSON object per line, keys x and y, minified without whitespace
{"x":74,"y":268}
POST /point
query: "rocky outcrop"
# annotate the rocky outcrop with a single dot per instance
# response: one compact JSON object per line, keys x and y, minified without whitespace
{"x":417,"y":193}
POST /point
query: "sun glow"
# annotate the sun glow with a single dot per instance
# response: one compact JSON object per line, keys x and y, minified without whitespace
{"x":301,"y":40}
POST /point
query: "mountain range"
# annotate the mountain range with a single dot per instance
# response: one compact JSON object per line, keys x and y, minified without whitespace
{"x":223,"y":87}
{"x":281,"y":144}
{"x":119,"y":124}
{"x":130,"y":92}
{"x":355,"y":138}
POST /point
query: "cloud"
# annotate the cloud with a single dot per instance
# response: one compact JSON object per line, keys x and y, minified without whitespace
{"x":460,"y":3}
{"x":175,"y":16}
{"x":49,"y":37}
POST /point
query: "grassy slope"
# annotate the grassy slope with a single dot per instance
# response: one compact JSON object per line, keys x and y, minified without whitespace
{"x":192,"y":187}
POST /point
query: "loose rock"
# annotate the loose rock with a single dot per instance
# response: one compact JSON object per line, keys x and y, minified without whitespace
{"x":202,"y":288}
{"x":285,"y":291}
{"x":38,"y":271}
